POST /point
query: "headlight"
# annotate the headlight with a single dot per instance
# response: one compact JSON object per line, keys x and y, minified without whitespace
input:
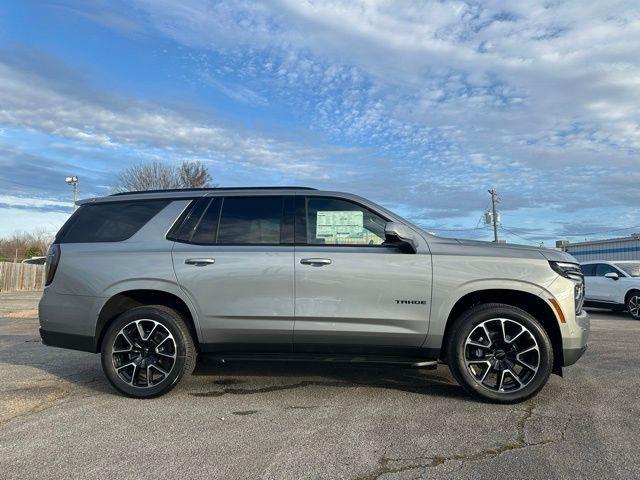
{"x":567,"y":270}
{"x":572,"y":272}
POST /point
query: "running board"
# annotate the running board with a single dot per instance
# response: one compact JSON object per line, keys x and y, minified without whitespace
{"x":316,"y":358}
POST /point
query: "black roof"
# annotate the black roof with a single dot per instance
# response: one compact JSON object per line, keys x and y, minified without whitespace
{"x":216,"y":189}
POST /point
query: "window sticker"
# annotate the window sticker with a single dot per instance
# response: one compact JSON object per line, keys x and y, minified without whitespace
{"x":341,"y":224}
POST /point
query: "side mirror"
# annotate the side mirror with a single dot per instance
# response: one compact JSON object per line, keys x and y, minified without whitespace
{"x":612,"y":275}
{"x":400,"y":235}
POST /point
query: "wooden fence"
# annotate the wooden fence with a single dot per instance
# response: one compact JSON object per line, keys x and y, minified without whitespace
{"x":16,"y":277}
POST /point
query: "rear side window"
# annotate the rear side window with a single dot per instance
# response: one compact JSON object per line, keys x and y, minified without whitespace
{"x":251,"y":220}
{"x":588,"y":270}
{"x":109,"y":222}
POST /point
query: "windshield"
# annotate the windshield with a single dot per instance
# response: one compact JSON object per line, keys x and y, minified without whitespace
{"x":631,"y":269}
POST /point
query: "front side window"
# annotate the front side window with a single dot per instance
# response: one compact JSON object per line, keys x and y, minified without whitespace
{"x":602,"y":269}
{"x":250,"y":220}
{"x":332,"y":221}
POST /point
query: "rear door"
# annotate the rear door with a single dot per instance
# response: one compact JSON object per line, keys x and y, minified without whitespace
{"x":234,"y":258}
{"x":353,"y":294}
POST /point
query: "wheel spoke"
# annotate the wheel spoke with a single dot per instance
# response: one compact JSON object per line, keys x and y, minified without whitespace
{"x":501,"y":380}
{"x":513,"y":339}
{"x":140,"y":330}
{"x":167,"y":355}
{"x":504,"y":332}
{"x":131,"y":364}
{"x":477,"y":344}
{"x":160,"y":369}
{"x":525,"y":364}
{"x":126,"y":339}
{"x":484,"y":327}
{"x":535,"y":347}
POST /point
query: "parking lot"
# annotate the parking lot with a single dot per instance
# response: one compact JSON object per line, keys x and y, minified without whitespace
{"x":59,"y":418}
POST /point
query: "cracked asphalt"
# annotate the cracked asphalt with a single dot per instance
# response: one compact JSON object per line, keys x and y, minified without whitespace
{"x":59,"y":418}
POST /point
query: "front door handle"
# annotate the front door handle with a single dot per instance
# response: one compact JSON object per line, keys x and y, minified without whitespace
{"x":200,"y":262}
{"x":316,"y":262}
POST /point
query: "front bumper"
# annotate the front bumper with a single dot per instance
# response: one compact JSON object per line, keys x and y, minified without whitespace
{"x":574,"y":341}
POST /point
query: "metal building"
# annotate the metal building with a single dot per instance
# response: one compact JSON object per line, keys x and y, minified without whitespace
{"x":624,"y":248}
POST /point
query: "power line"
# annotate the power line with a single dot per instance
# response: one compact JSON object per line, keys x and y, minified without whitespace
{"x":516,"y":234}
{"x":600,"y":232}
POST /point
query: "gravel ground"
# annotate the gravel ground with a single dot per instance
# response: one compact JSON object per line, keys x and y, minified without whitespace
{"x":59,"y":418}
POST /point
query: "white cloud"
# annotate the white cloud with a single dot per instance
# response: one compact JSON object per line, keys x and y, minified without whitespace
{"x":30,"y":102}
{"x":15,"y":201}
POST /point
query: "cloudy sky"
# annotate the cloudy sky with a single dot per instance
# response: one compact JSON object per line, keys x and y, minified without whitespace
{"x":421,"y":106}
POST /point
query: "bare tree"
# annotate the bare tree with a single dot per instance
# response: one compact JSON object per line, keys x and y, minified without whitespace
{"x":21,"y":245}
{"x":194,"y":175}
{"x":159,"y":176}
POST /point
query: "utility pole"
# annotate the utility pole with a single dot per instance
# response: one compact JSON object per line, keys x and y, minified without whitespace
{"x":74,"y":182}
{"x":494,"y":216}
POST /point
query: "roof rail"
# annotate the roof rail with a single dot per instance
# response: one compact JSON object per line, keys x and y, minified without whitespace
{"x":216,"y":189}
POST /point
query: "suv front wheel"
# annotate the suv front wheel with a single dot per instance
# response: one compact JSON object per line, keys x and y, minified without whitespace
{"x":147,"y":350}
{"x":500,"y":353}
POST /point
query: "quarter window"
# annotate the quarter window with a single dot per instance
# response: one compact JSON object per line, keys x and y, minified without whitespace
{"x":109,"y":222}
{"x":332,"y":221}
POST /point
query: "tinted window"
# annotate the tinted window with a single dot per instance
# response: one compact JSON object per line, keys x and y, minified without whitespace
{"x":602,"y":269}
{"x":332,"y":221}
{"x":185,"y":227}
{"x":250,"y":220}
{"x":109,"y":222}
{"x":588,"y":270}
{"x":631,"y":269}
{"x":207,"y":228}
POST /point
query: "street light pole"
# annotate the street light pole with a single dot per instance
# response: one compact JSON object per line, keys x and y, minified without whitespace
{"x":74,"y":182}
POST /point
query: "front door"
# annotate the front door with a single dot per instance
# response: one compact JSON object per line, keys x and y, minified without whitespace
{"x":234,"y":259}
{"x":353,"y":294}
{"x":600,"y":287}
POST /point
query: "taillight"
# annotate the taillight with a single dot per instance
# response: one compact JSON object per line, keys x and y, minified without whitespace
{"x":53,"y":258}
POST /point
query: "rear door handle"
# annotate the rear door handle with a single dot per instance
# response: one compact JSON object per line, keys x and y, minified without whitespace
{"x":200,"y":262}
{"x":316,"y":262}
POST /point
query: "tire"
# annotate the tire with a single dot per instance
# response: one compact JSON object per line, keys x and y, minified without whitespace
{"x":633,"y":304}
{"x":478,"y":351}
{"x":147,"y":350}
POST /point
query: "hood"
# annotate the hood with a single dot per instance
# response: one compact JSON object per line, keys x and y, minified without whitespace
{"x":499,"y":249}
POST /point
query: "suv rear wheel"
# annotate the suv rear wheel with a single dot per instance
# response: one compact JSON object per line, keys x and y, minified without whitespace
{"x":500,"y":353}
{"x":147,"y":350}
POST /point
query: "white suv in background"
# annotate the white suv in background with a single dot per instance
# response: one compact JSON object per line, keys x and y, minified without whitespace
{"x":613,"y":285}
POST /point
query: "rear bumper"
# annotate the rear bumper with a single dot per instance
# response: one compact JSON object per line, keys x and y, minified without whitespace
{"x":574,"y":343}
{"x":68,"y":340}
{"x":68,"y":321}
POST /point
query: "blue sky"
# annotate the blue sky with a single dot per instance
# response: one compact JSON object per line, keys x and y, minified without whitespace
{"x":421,"y":106}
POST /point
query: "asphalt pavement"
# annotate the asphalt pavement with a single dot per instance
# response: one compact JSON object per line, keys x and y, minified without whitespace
{"x":59,"y":418}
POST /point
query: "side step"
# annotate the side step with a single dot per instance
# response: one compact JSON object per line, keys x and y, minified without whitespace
{"x":317,"y":358}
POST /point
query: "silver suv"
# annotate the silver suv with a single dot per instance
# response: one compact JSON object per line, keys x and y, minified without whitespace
{"x":150,"y":280}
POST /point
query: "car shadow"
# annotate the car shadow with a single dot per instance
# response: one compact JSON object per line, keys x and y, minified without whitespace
{"x":228,"y":377}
